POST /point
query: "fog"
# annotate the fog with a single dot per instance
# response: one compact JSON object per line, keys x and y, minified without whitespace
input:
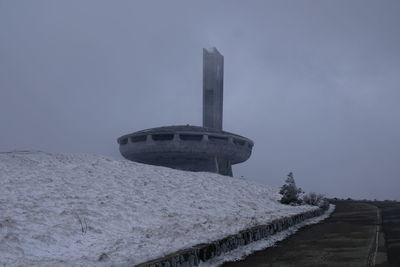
{"x":315,"y":84}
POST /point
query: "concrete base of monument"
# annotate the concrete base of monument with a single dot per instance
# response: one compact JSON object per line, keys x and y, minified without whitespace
{"x":186,"y":147}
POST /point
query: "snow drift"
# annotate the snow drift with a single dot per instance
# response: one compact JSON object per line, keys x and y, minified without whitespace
{"x":85,"y":210}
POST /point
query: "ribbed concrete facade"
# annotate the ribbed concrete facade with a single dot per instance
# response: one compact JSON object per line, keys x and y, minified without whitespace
{"x":186,"y":147}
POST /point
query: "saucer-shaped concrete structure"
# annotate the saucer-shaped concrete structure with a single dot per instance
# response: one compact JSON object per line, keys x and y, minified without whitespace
{"x":193,"y":148}
{"x":186,"y":147}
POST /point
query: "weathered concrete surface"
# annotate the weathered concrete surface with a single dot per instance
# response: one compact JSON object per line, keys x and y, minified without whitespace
{"x":187,"y":147}
{"x":193,"y":148}
{"x":213,"y":92}
{"x":347,"y":238}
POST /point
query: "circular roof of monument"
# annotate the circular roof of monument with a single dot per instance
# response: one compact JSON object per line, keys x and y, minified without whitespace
{"x":182,"y":129}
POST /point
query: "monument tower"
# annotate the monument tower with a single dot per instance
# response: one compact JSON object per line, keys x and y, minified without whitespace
{"x":193,"y":148}
{"x":213,"y":88}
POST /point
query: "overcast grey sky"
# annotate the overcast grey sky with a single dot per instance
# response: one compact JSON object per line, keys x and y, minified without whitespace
{"x":315,"y":84}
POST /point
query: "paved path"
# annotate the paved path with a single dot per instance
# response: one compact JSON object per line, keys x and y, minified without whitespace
{"x":347,"y":238}
{"x":391,"y":227}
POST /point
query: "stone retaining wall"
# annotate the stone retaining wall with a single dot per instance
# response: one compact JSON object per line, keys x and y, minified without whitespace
{"x":191,"y":257}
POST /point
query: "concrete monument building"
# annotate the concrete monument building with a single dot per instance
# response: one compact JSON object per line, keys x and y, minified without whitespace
{"x":193,"y":148}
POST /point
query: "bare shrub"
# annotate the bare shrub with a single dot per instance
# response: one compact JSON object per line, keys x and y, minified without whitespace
{"x":315,"y":199}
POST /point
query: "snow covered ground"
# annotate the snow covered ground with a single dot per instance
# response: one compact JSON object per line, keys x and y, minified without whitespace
{"x":86,"y":210}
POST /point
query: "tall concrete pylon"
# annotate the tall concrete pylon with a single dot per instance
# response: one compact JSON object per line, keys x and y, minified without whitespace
{"x":213,"y":88}
{"x":213,"y":99}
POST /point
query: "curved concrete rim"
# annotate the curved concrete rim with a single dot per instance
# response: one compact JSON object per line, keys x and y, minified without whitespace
{"x":184,"y":129}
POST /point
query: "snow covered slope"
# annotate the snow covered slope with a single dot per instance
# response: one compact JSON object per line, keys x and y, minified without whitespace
{"x":86,"y":210}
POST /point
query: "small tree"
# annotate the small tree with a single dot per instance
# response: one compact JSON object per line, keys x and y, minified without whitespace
{"x":289,"y":191}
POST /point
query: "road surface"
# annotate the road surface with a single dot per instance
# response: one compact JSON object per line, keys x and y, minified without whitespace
{"x":350,"y":237}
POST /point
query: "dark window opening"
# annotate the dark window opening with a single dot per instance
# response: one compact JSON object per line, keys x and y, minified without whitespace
{"x":217,"y":138}
{"x":123,"y":141}
{"x":239,"y":142}
{"x":162,"y":137}
{"x":191,"y":137}
{"x":138,"y":138}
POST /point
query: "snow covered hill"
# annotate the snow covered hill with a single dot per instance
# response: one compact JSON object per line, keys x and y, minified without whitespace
{"x":86,"y":210}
